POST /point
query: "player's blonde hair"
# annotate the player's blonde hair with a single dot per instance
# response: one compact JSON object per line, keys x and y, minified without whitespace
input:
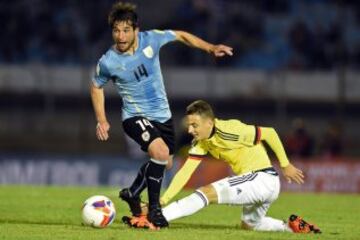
{"x":201,"y":108}
{"x":123,"y":11}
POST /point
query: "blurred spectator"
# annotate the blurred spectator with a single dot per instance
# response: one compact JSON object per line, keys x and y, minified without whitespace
{"x":301,"y":40}
{"x":299,"y":143}
{"x":68,"y":32}
{"x":275,"y":6}
{"x":335,"y":46}
{"x":243,"y":30}
{"x":332,"y":143}
{"x":199,"y":18}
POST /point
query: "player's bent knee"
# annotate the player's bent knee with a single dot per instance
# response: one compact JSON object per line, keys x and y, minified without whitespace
{"x":160,"y":155}
{"x":159,"y":150}
{"x":210,"y":193}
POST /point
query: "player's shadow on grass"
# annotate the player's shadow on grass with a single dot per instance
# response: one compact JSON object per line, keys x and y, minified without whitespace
{"x":13,"y":221}
{"x":204,"y":226}
{"x":76,"y":225}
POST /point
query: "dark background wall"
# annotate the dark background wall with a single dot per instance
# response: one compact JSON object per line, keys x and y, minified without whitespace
{"x":295,"y":67}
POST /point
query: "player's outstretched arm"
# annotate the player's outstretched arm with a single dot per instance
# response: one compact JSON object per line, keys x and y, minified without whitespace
{"x":98,"y":101}
{"x":291,"y":173}
{"x":191,"y":40}
{"x":179,"y":180}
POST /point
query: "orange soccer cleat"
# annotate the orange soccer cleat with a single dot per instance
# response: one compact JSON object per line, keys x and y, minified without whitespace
{"x":298,"y":225}
{"x":139,"y":222}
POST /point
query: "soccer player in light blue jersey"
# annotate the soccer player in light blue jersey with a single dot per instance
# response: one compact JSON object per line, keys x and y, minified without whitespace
{"x":132,"y":63}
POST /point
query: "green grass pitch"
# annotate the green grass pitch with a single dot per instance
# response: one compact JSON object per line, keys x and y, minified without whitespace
{"x":40,"y":212}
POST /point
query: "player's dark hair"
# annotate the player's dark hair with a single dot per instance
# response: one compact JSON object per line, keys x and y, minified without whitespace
{"x":123,"y":12}
{"x":201,"y":108}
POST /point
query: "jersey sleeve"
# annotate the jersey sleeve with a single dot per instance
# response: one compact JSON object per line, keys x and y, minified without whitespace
{"x":272,"y":138}
{"x":196,"y":155}
{"x":180,"y":179}
{"x":250,"y":135}
{"x":102,"y":75}
{"x":162,"y":37}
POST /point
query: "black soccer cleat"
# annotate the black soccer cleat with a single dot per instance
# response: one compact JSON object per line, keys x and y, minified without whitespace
{"x":133,"y":202}
{"x":156,"y":217}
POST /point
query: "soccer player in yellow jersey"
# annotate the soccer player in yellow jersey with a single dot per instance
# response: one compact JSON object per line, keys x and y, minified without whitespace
{"x":256,"y":184}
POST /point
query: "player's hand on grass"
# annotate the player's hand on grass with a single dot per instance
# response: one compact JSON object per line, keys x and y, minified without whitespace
{"x":221,"y":50}
{"x":102,"y":129}
{"x":291,"y":173}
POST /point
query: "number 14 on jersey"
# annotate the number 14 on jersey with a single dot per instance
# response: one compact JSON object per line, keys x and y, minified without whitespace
{"x":140,"y":71}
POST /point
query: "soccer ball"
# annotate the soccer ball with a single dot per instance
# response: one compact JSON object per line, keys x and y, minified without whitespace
{"x":98,"y":211}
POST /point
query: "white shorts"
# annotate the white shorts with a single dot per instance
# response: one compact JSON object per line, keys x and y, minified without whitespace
{"x":254,"y":191}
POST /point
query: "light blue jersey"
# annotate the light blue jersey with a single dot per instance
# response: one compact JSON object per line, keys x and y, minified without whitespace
{"x":138,"y":77}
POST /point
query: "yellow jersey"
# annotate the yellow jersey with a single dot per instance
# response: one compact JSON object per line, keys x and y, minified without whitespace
{"x":236,"y":143}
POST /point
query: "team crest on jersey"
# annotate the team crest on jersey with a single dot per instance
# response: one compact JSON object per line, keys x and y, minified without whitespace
{"x":247,"y":139}
{"x":145,"y":136}
{"x":148,"y":51}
